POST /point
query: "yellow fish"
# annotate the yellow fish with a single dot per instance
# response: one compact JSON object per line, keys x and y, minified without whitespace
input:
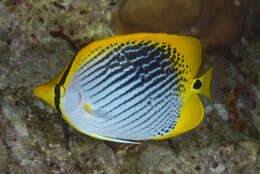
{"x":131,"y":87}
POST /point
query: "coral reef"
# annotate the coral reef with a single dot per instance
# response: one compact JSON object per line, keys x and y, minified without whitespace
{"x":37,"y":38}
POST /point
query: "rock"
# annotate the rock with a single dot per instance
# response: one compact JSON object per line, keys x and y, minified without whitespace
{"x":160,"y":16}
{"x":220,"y":22}
{"x":256,"y":119}
{"x":216,"y":23}
{"x":32,"y":138}
{"x":3,"y":157}
{"x":163,"y":163}
{"x":257,"y":10}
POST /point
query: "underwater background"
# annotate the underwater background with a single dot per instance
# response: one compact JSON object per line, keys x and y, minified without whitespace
{"x":37,"y":39}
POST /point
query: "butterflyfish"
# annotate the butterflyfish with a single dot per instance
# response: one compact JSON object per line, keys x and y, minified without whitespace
{"x":132,"y":87}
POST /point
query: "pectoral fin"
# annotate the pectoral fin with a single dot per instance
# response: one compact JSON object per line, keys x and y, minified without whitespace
{"x":99,"y":115}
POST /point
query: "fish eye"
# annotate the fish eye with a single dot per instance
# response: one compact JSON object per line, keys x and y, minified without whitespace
{"x":197,"y":85}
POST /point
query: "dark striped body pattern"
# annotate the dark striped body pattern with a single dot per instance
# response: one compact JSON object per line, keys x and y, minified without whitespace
{"x":134,"y":89}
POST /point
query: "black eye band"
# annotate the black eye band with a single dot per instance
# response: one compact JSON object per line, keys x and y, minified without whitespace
{"x":57,"y":87}
{"x":57,"y":97}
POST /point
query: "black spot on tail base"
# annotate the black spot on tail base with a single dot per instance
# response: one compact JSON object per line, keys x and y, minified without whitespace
{"x":197,"y":85}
